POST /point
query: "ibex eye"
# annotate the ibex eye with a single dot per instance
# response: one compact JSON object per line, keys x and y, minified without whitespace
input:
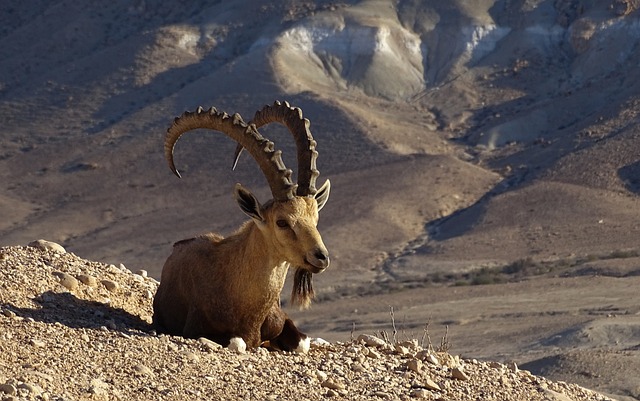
{"x":282,"y":223}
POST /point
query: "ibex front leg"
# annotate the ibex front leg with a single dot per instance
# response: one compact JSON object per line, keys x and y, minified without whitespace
{"x":281,"y":333}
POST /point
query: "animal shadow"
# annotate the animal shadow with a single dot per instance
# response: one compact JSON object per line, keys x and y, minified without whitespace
{"x":65,"y":308}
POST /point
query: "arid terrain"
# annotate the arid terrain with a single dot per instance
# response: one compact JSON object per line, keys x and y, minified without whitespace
{"x":484,"y":158}
{"x":72,"y":329}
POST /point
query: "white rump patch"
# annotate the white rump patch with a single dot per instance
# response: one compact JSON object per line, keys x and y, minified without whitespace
{"x":237,"y":344}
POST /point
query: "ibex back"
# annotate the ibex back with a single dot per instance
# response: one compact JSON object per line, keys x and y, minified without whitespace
{"x":225,"y":288}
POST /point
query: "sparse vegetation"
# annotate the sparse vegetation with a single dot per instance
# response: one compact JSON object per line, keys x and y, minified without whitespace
{"x":528,"y":267}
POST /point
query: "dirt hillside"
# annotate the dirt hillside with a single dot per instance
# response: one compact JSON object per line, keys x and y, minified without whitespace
{"x":73,"y":329}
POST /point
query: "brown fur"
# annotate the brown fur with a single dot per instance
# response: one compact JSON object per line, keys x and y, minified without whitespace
{"x":222,"y":288}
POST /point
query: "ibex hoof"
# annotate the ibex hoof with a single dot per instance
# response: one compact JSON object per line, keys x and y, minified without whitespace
{"x":303,"y":345}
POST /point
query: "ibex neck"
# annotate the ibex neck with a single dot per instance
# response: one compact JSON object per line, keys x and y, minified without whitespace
{"x":259,"y":258}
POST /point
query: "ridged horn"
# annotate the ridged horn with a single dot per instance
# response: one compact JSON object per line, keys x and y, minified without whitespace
{"x":263,"y":150}
{"x":292,"y":118}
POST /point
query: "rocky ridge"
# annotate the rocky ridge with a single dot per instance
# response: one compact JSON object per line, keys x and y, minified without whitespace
{"x":73,"y":329}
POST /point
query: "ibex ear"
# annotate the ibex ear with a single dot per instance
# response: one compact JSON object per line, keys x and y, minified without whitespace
{"x":248,"y":203}
{"x":322,"y":196}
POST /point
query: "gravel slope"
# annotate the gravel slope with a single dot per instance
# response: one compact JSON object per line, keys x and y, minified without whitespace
{"x":72,"y":329}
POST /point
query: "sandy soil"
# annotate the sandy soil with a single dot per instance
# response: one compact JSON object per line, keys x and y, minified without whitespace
{"x":493,"y":142}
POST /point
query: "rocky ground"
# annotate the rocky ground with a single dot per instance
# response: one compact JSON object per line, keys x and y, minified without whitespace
{"x":73,"y":329}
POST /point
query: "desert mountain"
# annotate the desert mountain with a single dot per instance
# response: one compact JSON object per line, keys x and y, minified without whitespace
{"x":458,"y":136}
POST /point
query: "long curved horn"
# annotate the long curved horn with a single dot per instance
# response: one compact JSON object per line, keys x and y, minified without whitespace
{"x":263,"y":150}
{"x":292,"y":118}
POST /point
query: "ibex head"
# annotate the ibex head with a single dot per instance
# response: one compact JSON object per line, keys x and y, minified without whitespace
{"x":289,"y":220}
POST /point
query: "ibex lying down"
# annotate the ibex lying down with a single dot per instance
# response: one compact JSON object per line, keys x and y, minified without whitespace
{"x":226,"y":288}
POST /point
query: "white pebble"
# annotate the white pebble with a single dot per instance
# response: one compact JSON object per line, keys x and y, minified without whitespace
{"x":190,"y":356}
{"x":371,"y":341}
{"x":208,"y":344}
{"x":68,"y":281}
{"x":32,"y":389}
{"x":420,"y":393}
{"x":429,"y":384}
{"x":414,"y":365}
{"x":110,"y":285}
{"x":374,"y":354}
{"x":47,"y":245}
{"x":237,"y":344}
{"x":321,"y":376}
{"x":142,"y":370}
{"x":459,"y":374}
{"x":319,"y":342}
{"x":332,"y":384}
{"x":87,"y":280}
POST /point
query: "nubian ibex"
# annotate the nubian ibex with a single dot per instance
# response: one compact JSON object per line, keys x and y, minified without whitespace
{"x":229,"y":288}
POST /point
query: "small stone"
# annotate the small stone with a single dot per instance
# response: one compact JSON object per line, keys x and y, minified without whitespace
{"x":432,"y":359}
{"x":142,"y":273}
{"x":332,"y":393}
{"x":332,"y":384}
{"x":41,"y":375}
{"x":513,"y":367}
{"x":113,"y":269}
{"x":208,"y":344}
{"x":458,"y":373}
{"x":321,"y":376}
{"x":401,"y":350}
{"x":357,"y":367}
{"x":319,"y":342}
{"x":8,"y":313}
{"x":37,"y":343}
{"x":411,"y":344}
{"x":431,"y":385}
{"x":420,"y":393}
{"x":68,"y":281}
{"x":87,"y":280}
{"x":8,"y":389}
{"x":47,"y":245}
{"x":142,"y":370}
{"x":554,"y":395}
{"x":371,"y":341}
{"x":414,"y":365}
{"x":34,"y":391}
{"x":238,"y":345}
{"x":374,"y":354}
{"x":110,"y":285}
{"x":98,"y":387}
{"x":191,"y":356}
